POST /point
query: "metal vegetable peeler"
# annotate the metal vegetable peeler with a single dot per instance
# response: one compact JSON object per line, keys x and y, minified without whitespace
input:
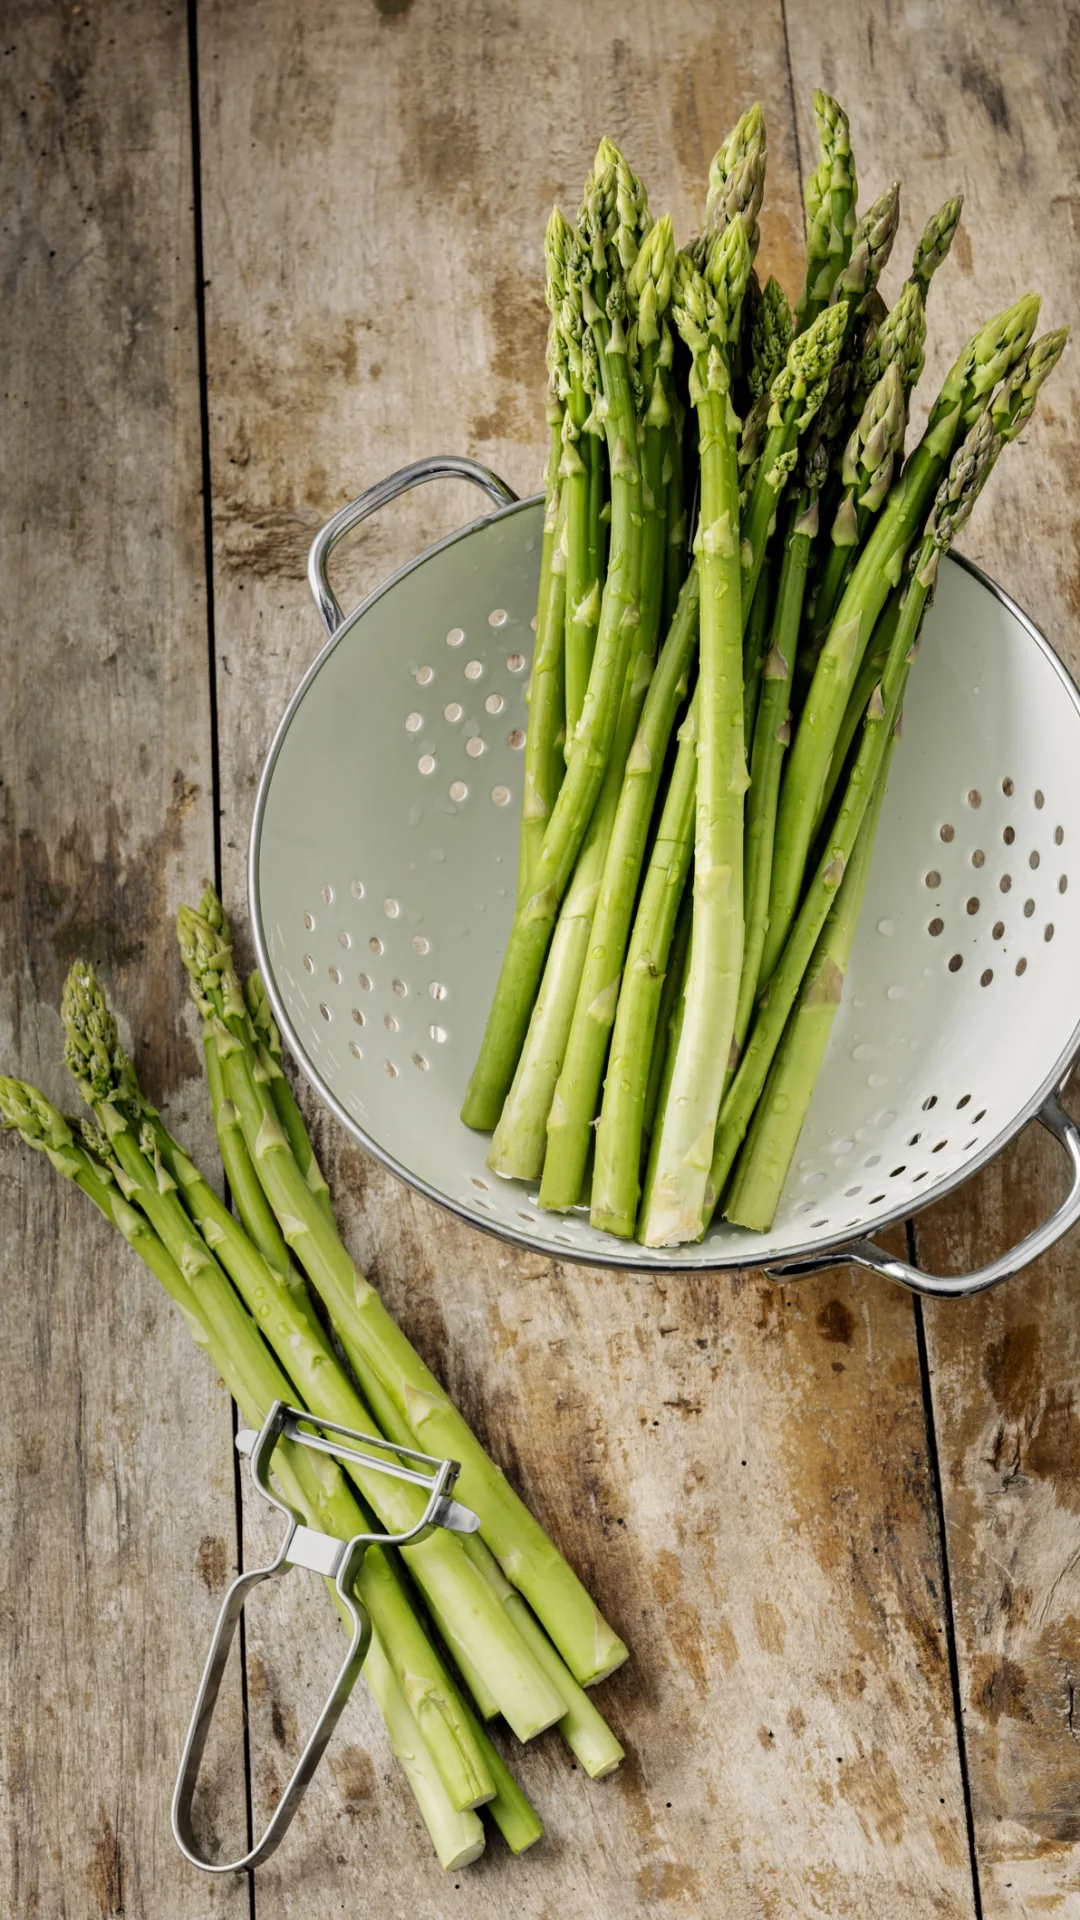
{"x":338,"y":1560}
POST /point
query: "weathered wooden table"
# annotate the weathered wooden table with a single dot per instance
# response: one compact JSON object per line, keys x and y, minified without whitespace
{"x":253,"y":260}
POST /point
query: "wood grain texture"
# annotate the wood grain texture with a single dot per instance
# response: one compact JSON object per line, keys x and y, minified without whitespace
{"x":116,"y":1487}
{"x":983,"y":97}
{"x":376,"y":182}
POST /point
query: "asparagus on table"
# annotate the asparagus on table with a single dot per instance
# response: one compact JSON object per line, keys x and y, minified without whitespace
{"x":316,"y":1487}
{"x":546,"y":695}
{"x":390,"y":1373}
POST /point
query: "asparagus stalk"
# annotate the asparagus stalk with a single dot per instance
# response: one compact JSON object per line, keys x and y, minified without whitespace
{"x":934,"y":243}
{"x":570,"y":1121}
{"x":542,"y":775}
{"x":582,"y":584}
{"x":755,"y":647}
{"x":315,"y":1487}
{"x":707,"y":308}
{"x":830,"y":194}
{"x":609,"y":231}
{"x":866,"y":473}
{"x":772,"y":735}
{"x":990,"y":355}
{"x":268,"y":1045}
{"x":796,"y":395}
{"x":952,"y":504}
{"x":639,"y":1030}
{"x":770,"y":338}
{"x":769,"y":1147}
{"x":387,"y":1367}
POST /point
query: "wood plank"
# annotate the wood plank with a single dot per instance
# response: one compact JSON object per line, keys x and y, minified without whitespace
{"x":116,"y":1491}
{"x":984,"y":97}
{"x":376,"y":185}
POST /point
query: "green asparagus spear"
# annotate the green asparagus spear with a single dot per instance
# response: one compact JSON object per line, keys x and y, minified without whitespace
{"x":831,"y":193}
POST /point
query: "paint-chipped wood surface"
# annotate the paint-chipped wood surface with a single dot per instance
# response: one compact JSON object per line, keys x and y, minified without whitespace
{"x":745,"y":1475}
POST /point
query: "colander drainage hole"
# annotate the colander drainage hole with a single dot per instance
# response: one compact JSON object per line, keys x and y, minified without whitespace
{"x":998,"y":929}
{"x":1059,"y":835}
{"x":964,"y":1101}
{"x":421,"y":944}
{"x":563,"y":1239}
{"x":933,"y":878}
{"x":813,"y":1179}
{"x":1029,"y":908}
{"x":1008,"y":834}
{"x":915,"y":1138}
{"x":981,"y":1115}
{"x":357,"y":889}
{"x":875,"y":1199}
{"x":1033,"y":860}
{"x":515,"y":738}
{"x":473,"y":669}
{"x":948,"y":833}
{"x":390,"y":1022}
{"x":1021,"y":966}
{"x":973,"y":905}
{"x":817,"y":1224}
{"x":940,"y":1144}
{"x":309,"y":964}
{"x":929,"y":1102}
{"x":418,"y":1060}
{"x":344,"y":939}
{"x":494,"y":703}
{"x":850,"y":1192}
{"x":424,"y":676}
{"x":389,"y":1069}
{"x":986,"y":976}
{"x":1007,"y":786}
{"x":458,"y":790}
{"x":413,"y":722}
{"x":480,"y":1185}
{"x":529,"y":1218}
{"x":497,"y":617}
{"x":399,"y":988}
{"x":974,"y":798}
{"x":922,"y":1175}
{"x":335,"y":975}
{"x":453,"y":712}
{"x":1063,"y":883}
{"x":956,"y":963}
{"x":978,"y":858}
{"x":324,"y":1009}
{"x":896,"y":1172}
{"x":1048,"y":930}
{"x":515,"y":662}
{"x":364,"y":980}
{"x":356,"y":1051}
{"x":1005,"y":882}
{"x":375,"y":945}
{"x":1040,"y":797}
{"x":500,"y":796}
{"x":309,"y":923}
{"x":474,"y":747}
{"x":426,"y":764}
{"x":437,"y":990}
{"x":455,"y":636}
{"x":936,"y":926}
{"x":438,"y":1034}
{"x":358,"y":1016}
{"x":391,"y":909}
{"x":872,"y":1160}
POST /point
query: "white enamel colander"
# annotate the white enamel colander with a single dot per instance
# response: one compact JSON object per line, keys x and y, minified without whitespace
{"x":382,"y":880}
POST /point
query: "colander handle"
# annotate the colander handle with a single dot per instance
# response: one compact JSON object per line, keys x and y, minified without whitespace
{"x":441,"y":466}
{"x":864,"y":1253}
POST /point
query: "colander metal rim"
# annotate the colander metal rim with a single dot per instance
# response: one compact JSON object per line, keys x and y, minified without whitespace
{"x":740,"y":1254}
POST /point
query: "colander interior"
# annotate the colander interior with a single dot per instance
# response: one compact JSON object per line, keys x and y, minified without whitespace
{"x":383,"y":873}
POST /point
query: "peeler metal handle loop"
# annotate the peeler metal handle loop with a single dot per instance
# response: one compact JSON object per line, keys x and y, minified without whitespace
{"x":321,"y":1553}
{"x":864,"y":1253}
{"x":440,"y":466}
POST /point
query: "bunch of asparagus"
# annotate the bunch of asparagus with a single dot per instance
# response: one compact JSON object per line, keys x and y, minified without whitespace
{"x":727,"y":704}
{"x":510,"y":1614}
